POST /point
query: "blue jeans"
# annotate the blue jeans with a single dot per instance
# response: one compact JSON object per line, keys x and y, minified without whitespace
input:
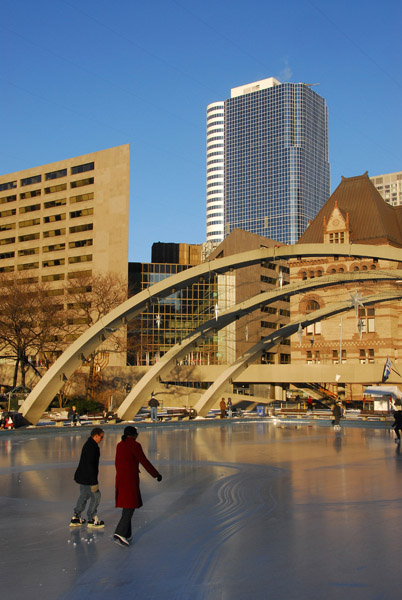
{"x":85,"y":495}
{"x":154,"y":413}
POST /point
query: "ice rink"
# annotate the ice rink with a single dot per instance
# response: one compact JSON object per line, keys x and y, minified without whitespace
{"x":256,"y":510}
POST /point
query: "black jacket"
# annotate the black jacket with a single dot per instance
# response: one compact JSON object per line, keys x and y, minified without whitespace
{"x":88,"y":467}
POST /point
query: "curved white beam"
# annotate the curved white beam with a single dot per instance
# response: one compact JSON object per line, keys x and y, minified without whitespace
{"x":140,"y":393}
{"x":214,"y":392}
{"x":53,"y":380}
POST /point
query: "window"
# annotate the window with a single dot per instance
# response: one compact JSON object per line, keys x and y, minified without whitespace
{"x":31,"y":180}
{"x":28,"y":251}
{"x":29,"y":223}
{"x":337,"y":238}
{"x":54,"y":203}
{"x":53,"y":218}
{"x":82,"y":168}
{"x":30,"y":208}
{"x":8,"y":213}
{"x":31,"y":194}
{"x":29,"y":237}
{"x":10,"y":185}
{"x":54,"y":248}
{"x":28,"y":266}
{"x":7,"y":255}
{"x":7,"y":199}
{"x":82,"y":198}
{"x":56,"y":174}
{"x":79,"y":274}
{"x":56,"y":262}
{"x":54,"y":232}
{"x":79,"y":228}
{"x":6,"y":241}
{"x":55,"y":277}
{"x":367,"y":318}
{"x":82,"y":182}
{"x":80,"y":243}
{"x":81,"y":213}
{"x":77,"y":259}
{"x":56,"y":188}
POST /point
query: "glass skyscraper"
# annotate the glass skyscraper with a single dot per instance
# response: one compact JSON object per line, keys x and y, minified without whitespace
{"x":275,"y":172}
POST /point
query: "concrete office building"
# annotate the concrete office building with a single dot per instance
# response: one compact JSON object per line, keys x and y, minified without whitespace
{"x":267,"y":160}
{"x":390,"y":187}
{"x":67,"y":219}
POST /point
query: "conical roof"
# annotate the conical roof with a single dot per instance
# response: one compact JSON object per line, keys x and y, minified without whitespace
{"x":371,"y":219}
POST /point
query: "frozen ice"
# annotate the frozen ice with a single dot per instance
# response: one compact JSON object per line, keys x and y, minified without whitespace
{"x":258,"y":510}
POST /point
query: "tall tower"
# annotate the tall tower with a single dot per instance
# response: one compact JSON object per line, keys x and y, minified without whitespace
{"x":275,"y":174}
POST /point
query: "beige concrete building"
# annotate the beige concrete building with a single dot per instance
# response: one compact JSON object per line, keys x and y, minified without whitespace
{"x":355,"y":213}
{"x":67,"y":219}
{"x":390,"y":187}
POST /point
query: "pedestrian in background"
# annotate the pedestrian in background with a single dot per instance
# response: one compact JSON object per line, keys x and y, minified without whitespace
{"x":230,"y":408}
{"x":153,"y":404}
{"x":397,"y":424}
{"x":222,"y":406}
{"x":129,"y":455}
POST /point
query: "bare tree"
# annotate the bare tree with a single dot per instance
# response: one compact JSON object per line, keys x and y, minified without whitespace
{"x":32,"y":324}
{"x":89,"y":299}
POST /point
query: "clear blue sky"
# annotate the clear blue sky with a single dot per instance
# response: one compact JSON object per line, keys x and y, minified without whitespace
{"x":81,"y":76}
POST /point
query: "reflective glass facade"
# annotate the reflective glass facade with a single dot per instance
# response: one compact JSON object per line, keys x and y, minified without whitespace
{"x":166,"y":321}
{"x":276,"y":173}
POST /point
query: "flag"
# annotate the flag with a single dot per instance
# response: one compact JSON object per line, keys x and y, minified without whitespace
{"x":387,"y":370}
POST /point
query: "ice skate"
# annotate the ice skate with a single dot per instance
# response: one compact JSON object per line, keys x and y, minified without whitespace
{"x":120,"y":540}
{"x":76,"y":521}
{"x":95,"y":523}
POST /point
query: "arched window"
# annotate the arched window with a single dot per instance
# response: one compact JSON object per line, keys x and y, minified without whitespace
{"x":311,"y":306}
{"x":303,"y":275}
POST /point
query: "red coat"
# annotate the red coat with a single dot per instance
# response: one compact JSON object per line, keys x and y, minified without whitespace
{"x":129,"y":455}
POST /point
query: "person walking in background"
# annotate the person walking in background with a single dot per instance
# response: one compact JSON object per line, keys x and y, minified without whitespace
{"x":73,"y":415}
{"x":397,"y":424}
{"x":86,"y":476}
{"x":337,"y":413}
{"x":129,"y":455}
{"x":230,"y":408}
{"x":222,"y":406}
{"x":153,"y":404}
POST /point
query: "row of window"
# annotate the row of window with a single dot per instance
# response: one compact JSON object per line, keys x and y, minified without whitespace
{"x":36,"y":250}
{"x":365,"y":356}
{"x":49,"y":203}
{"x":56,"y":262}
{"x":331,"y":271}
{"x":48,"y":190}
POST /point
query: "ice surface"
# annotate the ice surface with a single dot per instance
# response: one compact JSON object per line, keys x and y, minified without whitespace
{"x":245,"y":510}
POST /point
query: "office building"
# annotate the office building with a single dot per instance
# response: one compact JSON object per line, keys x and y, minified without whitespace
{"x":66,"y":220}
{"x":267,"y":160}
{"x":390,"y":187}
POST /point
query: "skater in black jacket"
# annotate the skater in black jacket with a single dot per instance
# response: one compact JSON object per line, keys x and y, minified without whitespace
{"x":397,"y":425}
{"x":86,"y":476}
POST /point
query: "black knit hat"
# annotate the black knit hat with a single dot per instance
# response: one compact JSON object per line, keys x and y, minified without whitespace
{"x":130,"y":431}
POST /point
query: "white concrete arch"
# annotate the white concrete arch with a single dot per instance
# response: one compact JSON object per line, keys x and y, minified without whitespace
{"x":214,"y":392}
{"x":53,"y":380}
{"x":141,"y":392}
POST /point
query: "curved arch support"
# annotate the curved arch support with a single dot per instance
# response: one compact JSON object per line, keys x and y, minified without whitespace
{"x":140,"y":393}
{"x":214,"y":392}
{"x":53,"y":380}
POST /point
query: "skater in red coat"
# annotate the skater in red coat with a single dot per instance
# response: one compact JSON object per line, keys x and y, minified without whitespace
{"x":129,"y":455}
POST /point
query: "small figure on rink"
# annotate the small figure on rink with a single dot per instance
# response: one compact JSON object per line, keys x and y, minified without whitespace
{"x":230,"y":408}
{"x":397,"y":424}
{"x":337,"y":413}
{"x":153,"y":405}
{"x":222,"y":406}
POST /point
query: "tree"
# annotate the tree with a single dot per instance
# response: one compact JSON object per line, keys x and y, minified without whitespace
{"x":89,"y":299}
{"x":32,"y":324}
